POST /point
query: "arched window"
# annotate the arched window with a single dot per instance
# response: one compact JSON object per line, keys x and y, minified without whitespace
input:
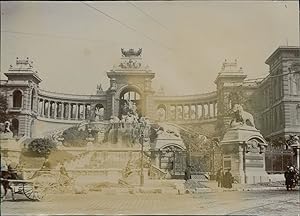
{"x":17,"y":99}
{"x":161,"y":112}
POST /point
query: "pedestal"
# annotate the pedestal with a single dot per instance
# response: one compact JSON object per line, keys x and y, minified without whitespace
{"x":243,"y":153}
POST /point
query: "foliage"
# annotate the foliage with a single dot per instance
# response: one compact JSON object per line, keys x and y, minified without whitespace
{"x":74,"y":137}
{"x":42,"y":146}
{"x":4,"y":116}
{"x":195,"y":143}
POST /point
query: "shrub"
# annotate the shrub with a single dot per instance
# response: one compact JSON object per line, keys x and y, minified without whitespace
{"x":74,"y":137}
{"x":42,"y":146}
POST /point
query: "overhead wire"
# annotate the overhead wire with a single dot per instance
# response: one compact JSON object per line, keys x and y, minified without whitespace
{"x":148,"y":15}
{"x":125,"y":25}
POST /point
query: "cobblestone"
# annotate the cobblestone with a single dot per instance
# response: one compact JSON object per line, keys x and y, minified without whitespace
{"x":254,"y":202}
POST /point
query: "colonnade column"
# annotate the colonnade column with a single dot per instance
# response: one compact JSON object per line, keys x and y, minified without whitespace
{"x":208,"y":105}
{"x":84,"y":111}
{"x":62,"y":110}
{"x":48,"y":111}
{"x":55,"y":110}
{"x":69,"y":110}
{"x":76,"y":113}
{"x":42,"y":108}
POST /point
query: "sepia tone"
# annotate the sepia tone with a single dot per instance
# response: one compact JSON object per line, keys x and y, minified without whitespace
{"x":150,"y":108}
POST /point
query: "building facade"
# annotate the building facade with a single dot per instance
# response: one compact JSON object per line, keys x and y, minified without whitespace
{"x":274,"y":101}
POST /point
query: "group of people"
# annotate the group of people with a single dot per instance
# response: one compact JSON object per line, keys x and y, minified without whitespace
{"x":291,"y":177}
{"x":224,"y":180}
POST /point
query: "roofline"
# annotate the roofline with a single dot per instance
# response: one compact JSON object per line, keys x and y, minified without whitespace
{"x":281,"y":48}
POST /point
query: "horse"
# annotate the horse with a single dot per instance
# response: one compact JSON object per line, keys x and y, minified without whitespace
{"x":243,"y":116}
{"x":6,"y":174}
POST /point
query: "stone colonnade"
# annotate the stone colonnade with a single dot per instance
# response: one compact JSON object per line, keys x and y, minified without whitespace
{"x":191,"y":111}
{"x":63,"y":110}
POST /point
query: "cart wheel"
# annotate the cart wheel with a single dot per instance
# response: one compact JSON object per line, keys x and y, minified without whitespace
{"x":34,"y":191}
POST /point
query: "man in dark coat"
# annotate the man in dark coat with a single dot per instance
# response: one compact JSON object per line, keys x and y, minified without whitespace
{"x":228,"y":179}
{"x":289,"y":175}
{"x":219,"y":177}
{"x":187,"y":173}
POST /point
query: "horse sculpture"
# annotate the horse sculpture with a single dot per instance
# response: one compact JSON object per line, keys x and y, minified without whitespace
{"x":241,"y":116}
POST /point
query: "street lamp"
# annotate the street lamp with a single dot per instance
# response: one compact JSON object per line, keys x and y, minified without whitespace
{"x":142,"y":156}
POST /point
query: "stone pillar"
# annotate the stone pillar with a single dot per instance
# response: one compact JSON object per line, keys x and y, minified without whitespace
{"x":55,"y":109}
{"x":196,"y":111}
{"x":190,"y":112}
{"x":76,"y":113}
{"x":208,"y":106}
{"x":69,"y":110}
{"x":42,"y":108}
{"x":241,"y":164}
{"x":62,"y":110}
{"x":84,"y":111}
{"x":49,"y":108}
{"x":203,"y":110}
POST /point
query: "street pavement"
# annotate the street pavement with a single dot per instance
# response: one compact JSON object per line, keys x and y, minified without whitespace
{"x":111,"y":202}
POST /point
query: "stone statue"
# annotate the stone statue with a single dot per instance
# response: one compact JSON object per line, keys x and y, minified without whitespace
{"x":99,"y":112}
{"x":131,"y":52}
{"x":241,"y":117}
{"x":5,"y":130}
{"x":99,"y":89}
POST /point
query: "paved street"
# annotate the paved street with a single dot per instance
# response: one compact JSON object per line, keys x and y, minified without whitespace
{"x":279,"y":202}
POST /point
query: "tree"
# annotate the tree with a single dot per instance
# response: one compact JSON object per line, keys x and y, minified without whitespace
{"x":199,"y":146}
{"x":42,"y":146}
{"x":4,"y":116}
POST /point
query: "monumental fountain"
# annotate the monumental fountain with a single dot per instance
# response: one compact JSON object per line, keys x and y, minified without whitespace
{"x":243,"y":149}
{"x":120,"y":150}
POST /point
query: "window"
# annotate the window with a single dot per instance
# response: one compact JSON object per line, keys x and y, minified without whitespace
{"x":17,"y":99}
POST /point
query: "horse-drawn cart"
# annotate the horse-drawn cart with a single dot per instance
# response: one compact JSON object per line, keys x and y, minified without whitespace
{"x":42,"y":183}
{"x":27,"y":187}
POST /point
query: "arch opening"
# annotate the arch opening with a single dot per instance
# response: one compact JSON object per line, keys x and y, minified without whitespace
{"x":17,"y":99}
{"x":132,"y":97}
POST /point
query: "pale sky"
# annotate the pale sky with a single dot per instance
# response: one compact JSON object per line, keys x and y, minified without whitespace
{"x":184,"y":43}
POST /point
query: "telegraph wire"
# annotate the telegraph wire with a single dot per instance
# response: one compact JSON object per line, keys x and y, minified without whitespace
{"x":125,"y":25}
{"x":148,"y":15}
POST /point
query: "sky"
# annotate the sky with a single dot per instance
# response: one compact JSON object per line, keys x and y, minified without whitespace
{"x":184,"y":42}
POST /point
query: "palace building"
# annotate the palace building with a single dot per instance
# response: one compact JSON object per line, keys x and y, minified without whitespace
{"x":274,"y":101}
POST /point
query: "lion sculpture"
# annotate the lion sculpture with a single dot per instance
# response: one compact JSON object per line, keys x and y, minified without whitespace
{"x":241,"y":116}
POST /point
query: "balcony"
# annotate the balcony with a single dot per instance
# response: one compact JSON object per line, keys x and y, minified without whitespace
{"x":15,"y":109}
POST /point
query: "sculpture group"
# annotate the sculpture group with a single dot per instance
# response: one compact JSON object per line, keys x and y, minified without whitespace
{"x":241,"y":117}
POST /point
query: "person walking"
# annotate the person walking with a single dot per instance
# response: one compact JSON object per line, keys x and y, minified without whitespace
{"x":220,"y":177}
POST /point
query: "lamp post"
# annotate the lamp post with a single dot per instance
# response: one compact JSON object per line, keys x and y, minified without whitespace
{"x":142,"y":156}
